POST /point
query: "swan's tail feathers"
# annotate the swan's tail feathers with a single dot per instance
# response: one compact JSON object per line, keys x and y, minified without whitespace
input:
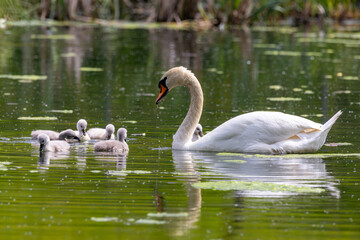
{"x":331,"y":121}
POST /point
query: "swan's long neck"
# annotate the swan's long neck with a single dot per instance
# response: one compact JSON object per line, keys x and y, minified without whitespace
{"x":188,"y":126}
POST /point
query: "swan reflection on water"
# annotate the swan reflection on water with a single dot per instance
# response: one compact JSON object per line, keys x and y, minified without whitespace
{"x":305,"y":172}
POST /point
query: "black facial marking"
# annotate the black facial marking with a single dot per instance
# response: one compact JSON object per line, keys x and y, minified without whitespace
{"x":163,"y":82}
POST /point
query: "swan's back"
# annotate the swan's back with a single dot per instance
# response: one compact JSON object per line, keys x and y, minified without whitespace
{"x":265,"y":132}
{"x":53,"y":135}
{"x":111,"y":146}
{"x":101,"y":133}
{"x":57,"y":146}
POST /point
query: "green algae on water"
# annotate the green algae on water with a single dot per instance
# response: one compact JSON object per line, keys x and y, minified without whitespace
{"x":150,"y":221}
{"x":53,"y":36}
{"x":166,"y":214}
{"x":104,"y":219}
{"x":255,"y":186}
{"x":91,"y":69}
{"x":125,"y":172}
{"x":38,"y":118}
{"x":23,"y":77}
{"x":283,"y":99}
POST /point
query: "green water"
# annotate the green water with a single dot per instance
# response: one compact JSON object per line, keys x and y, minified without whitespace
{"x":149,"y":193}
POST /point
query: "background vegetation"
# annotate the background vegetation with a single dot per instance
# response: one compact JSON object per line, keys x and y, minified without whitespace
{"x":215,"y":12}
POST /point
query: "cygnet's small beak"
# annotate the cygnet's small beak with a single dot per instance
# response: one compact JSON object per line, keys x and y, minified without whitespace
{"x":163,"y":90}
{"x":41,"y":147}
{"x":83,"y":132}
{"x":77,"y":138}
{"x":201,"y":134}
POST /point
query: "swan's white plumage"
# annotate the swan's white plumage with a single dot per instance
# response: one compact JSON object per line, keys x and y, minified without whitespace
{"x":255,"y":132}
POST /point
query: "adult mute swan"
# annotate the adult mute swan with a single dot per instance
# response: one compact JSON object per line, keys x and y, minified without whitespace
{"x":52,"y":146}
{"x":118,"y":146}
{"x":101,"y":133}
{"x":255,"y":132}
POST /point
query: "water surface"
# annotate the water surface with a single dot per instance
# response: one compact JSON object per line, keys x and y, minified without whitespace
{"x":109,"y":75}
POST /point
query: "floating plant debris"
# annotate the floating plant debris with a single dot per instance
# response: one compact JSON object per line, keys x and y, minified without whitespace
{"x":61,"y":111}
{"x":276,"y":87}
{"x":149,"y":221}
{"x":24,"y":77}
{"x":255,"y":186}
{"x":292,"y":53}
{"x":308,"y":92}
{"x":166,"y":214}
{"x":130,"y":121}
{"x":297,"y":89}
{"x":91,"y":69}
{"x":283,"y":99}
{"x":349,"y":78}
{"x":235,"y":161}
{"x":70,"y":54}
{"x":338,"y":144}
{"x":341,"y":92}
{"x":53,"y":36}
{"x":125,"y":172}
{"x":38,"y":118}
{"x":104,"y":219}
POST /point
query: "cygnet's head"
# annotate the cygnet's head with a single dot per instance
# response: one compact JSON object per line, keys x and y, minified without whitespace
{"x":199,"y":130}
{"x":110,"y":129}
{"x":81,"y":126}
{"x":122,"y":134}
{"x":177,"y":76}
{"x":43,"y":140}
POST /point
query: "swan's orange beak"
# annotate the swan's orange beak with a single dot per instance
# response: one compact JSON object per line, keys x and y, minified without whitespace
{"x":163,"y":91}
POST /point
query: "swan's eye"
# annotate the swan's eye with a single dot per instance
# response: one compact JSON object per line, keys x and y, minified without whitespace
{"x":162,"y":82}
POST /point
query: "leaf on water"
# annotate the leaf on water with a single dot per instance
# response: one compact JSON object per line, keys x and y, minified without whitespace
{"x":235,"y":161}
{"x":297,"y":89}
{"x":91,"y":69}
{"x":308,"y":92}
{"x":5,"y":163}
{"x":95,"y":171}
{"x":291,"y":156}
{"x":292,"y":53}
{"x":53,"y":36}
{"x":276,"y":87}
{"x":3,"y":168}
{"x":337,"y":144}
{"x":339,"y":74}
{"x":130,"y":121}
{"x":69,"y":54}
{"x":357,"y":57}
{"x":328,"y":76}
{"x":264,"y":45}
{"x":150,"y":221}
{"x":34,"y":171}
{"x":38,"y":118}
{"x":283,"y":99}
{"x":24,"y":77}
{"x":125,"y":172}
{"x":104,"y":219}
{"x":341,"y":92}
{"x":165,"y":214}
{"x":61,"y":111}
{"x":355,"y":78}
{"x":145,"y":94}
{"x":255,"y":186}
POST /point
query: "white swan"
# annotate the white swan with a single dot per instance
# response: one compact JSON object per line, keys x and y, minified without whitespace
{"x":52,"y":146}
{"x":53,"y":135}
{"x":81,"y":127}
{"x":255,"y":132}
{"x":101,"y":133}
{"x":198,"y":133}
{"x":118,"y":146}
